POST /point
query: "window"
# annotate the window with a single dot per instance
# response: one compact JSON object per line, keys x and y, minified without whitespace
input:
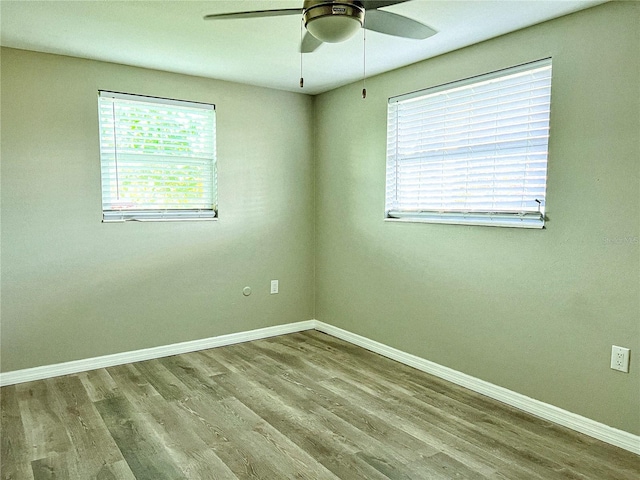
{"x":472,"y":152}
{"x":157,"y":158}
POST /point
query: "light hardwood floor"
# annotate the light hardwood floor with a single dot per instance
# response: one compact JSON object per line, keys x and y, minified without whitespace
{"x":305,"y":405}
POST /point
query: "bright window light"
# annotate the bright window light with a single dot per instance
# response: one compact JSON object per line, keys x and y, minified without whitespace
{"x":157,"y":158}
{"x":472,"y":152}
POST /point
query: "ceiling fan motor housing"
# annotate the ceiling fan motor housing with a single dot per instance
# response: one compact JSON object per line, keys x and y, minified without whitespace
{"x":333,"y":21}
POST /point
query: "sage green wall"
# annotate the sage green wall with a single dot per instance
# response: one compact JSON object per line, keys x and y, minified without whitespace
{"x":73,"y":287}
{"x":535,"y":311}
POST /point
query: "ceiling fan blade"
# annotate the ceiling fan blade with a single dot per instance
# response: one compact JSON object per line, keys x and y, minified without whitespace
{"x":396,"y":25}
{"x":373,"y":4}
{"x":254,"y":14}
{"x":309,"y":43}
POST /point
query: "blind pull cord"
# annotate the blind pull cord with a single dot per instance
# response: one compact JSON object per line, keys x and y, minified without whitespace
{"x":115,"y":148}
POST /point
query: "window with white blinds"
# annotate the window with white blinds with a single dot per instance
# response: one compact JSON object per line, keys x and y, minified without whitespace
{"x":472,"y":152}
{"x":158,"y":158}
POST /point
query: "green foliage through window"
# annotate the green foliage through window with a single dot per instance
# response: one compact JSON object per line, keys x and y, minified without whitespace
{"x":157,"y":158}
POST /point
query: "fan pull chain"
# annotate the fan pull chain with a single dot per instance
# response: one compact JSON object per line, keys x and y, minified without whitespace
{"x":364,"y":62}
{"x":301,"y":36}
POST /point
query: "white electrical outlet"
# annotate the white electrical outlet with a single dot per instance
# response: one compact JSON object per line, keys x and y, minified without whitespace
{"x":274,"y":286}
{"x":620,"y":358}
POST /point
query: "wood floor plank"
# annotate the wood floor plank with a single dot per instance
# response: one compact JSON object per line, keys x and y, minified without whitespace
{"x":294,"y":387}
{"x":492,"y":425}
{"x":115,"y":471}
{"x":162,"y":380}
{"x":460,"y":401}
{"x":195,"y":373}
{"x":314,"y":435}
{"x":189,"y":453}
{"x":446,"y":438}
{"x":144,"y":454}
{"x":232,"y":417}
{"x":45,"y":431}
{"x":53,"y":466}
{"x":244,"y":450}
{"x":137,"y":383}
{"x":14,"y":450}
{"x":85,"y":429}
{"x":304,"y":405}
{"x":354,"y":373}
{"x":210,"y":432}
{"x":316,"y":421}
{"x":471,"y":428}
{"x":98,"y":384}
{"x":443,"y":466}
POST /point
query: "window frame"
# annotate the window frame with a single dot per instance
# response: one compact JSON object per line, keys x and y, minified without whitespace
{"x":109,"y":154}
{"x":526,"y":218}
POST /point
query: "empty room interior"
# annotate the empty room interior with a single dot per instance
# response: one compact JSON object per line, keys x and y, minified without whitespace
{"x":319,"y":318}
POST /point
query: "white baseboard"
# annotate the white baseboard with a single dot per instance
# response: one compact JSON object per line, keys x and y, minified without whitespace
{"x":549,"y":412}
{"x":76,"y":366}
{"x":576,"y":422}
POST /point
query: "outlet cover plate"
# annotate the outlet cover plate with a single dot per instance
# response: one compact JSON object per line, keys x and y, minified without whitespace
{"x":274,"y":286}
{"x":620,"y":358}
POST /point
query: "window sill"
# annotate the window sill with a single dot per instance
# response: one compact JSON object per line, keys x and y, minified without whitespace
{"x":159,"y":216}
{"x":508,"y":221}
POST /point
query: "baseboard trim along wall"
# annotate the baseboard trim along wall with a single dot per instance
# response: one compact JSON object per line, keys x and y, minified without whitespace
{"x":581,"y":424}
{"x":77,"y":366}
{"x":549,"y":412}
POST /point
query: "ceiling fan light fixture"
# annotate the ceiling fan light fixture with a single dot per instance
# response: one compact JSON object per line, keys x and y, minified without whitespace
{"x":333,"y":22}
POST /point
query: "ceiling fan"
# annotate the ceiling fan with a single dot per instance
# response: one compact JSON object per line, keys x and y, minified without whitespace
{"x":338,"y":20}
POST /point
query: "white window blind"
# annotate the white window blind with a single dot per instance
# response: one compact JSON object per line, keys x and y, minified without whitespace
{"x":157,"y":158}
{"x":473,"y":151}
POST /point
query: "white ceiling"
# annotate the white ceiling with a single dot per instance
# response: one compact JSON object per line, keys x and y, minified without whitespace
{"x":172,"y":36}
